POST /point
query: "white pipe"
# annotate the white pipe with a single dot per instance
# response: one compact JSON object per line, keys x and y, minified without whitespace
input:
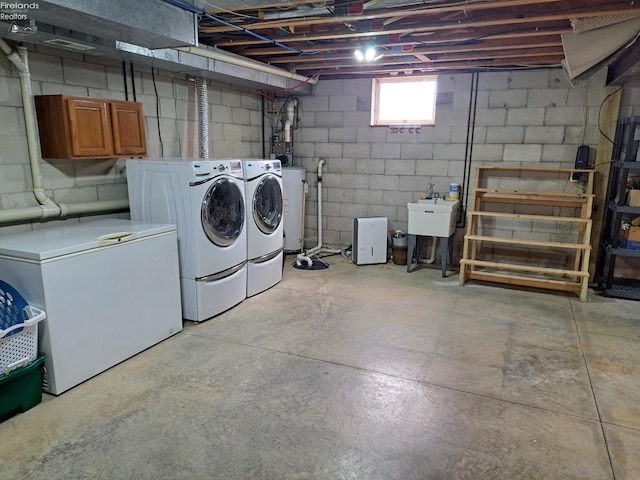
{"x":245,"y":62}
{"x":305,"y":256}
{"x":39,"y":212}
{"x":321,"y":163}
{"x":291,"y":106}
{"x":304,"y":200}
{"x":96,"y":207}
{"x":33,"y":145}
{"x":432,"y":258}
{"x":47,"y":208}
{"x":21,"y":214}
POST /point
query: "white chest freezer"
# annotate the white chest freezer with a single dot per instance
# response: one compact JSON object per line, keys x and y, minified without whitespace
{"x":110,"y":289}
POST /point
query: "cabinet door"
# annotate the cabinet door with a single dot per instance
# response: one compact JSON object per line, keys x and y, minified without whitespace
{"x":128,"y":128}
{"x":90,"y":128}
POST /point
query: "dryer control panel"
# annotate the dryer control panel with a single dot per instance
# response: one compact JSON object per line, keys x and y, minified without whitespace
{"x":208,"y":167}
{"x":257,"y":167}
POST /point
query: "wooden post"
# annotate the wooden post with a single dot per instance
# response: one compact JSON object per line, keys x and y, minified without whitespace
{"x":608,"y":122}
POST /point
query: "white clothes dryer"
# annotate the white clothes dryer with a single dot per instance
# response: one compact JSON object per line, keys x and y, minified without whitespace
{"x":265,"y":236}
{"x":205,"y":199}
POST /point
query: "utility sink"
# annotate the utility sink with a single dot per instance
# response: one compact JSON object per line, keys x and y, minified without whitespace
{"x":434,"y":217}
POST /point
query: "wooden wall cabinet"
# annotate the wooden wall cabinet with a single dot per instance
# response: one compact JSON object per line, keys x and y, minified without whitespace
{"x":83,"y":127}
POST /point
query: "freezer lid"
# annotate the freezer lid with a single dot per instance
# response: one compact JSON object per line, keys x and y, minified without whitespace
{"x":49,"y":243}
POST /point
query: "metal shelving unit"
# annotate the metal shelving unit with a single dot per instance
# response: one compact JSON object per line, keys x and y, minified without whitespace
{"x":625,"y":160}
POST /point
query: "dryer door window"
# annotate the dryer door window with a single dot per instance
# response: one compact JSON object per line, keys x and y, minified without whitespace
{"x":222,"y":212}
{"x":267,"y":204}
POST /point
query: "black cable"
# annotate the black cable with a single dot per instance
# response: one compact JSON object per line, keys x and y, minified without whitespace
{"x":203,"y":14}
{"x":124,"y":76}
{"x":155,"y":88}
{"x":471,"y":128}
{"x":133,"y":83}
{"x":615,"y":146}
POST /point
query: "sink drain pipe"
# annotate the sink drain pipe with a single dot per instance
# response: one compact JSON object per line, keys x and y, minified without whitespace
{"x":432,"y":258}
{"x":306,"y":255}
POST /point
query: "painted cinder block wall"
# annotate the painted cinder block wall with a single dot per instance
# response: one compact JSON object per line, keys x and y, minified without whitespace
{"x":532,"y":118}
{"x":522,"y":118}
{"x":171,"y":115}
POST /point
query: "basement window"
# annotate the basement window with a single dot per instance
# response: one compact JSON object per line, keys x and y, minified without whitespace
{"x":404,"y":101}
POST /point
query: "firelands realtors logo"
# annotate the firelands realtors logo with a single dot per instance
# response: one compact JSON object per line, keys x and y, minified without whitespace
{"x":14,"y":11}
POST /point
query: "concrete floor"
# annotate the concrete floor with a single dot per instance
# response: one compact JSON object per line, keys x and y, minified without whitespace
{"x":359,"y":372}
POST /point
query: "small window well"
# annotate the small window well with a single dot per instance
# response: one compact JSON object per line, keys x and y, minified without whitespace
{"x":404,"y":101}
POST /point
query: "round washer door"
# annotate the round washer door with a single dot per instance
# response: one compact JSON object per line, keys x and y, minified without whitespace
{"x":222,"y":212}
{"x":267,"y":204}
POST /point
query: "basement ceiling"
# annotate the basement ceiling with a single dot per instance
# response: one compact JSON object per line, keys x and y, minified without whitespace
{"x":431,"y":36}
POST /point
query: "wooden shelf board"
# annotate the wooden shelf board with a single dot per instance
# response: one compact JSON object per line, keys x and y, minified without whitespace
{"x":536,"y":193}
{"x":535,"y":243}
{"x":528,"y":216}
{"x":533,"y":169}
{"x":524,"y":268}
{"x":525,"y":281}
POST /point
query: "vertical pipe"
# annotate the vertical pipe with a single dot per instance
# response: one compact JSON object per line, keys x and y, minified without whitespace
{"x":133,"y":83}
{"x":32,"y":136}
{"x":264,"y":146}
{"x":126,"y":83}
{"x":203,"y":116}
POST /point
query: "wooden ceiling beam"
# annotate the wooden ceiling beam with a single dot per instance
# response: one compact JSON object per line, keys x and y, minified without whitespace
{"x":413,"y":30}
{"x":511,"y":20}
{"x":450,"y":67}
{"x":386,"y":62}
{"x":436,"y":43}
{"x":582,"y":10}
{"x":386,"y":13}
{"x":422,"y":51}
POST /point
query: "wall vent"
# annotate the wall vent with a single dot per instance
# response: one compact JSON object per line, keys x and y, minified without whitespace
{"x":62,"y":43}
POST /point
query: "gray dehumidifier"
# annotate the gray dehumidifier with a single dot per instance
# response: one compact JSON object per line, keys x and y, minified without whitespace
{"x":369,"y":241}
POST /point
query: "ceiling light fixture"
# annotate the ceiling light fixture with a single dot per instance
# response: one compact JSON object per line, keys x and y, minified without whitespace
{"x":368,"y":55}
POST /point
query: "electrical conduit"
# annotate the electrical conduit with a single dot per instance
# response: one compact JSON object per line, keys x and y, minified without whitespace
{"x":47,"y":208}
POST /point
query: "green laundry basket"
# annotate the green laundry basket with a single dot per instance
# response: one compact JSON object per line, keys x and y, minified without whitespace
{"x":21,"y":389}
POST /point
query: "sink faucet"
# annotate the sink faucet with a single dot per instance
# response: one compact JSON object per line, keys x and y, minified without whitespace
{"x":430,"y":190}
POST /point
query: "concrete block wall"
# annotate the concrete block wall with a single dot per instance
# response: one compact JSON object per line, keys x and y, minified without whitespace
{"x":523,"y":118}
{"x":171,"y":120}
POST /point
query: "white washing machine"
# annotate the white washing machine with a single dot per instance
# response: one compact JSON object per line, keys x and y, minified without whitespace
{"x":205,"y":199}
{"x":265,"y":242}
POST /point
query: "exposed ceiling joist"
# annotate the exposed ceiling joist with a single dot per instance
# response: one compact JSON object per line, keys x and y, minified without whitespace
{"x":434,"y":34}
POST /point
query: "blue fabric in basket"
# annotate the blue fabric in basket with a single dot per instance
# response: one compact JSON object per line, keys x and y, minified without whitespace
{"x":12,"y":306}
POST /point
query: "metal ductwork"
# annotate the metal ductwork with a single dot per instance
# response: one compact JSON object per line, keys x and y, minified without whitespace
{"x":151,"y":24}
{"x":126,"y":31}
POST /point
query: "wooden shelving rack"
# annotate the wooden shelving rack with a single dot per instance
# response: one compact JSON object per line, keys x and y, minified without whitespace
{"x":488,"y":203}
